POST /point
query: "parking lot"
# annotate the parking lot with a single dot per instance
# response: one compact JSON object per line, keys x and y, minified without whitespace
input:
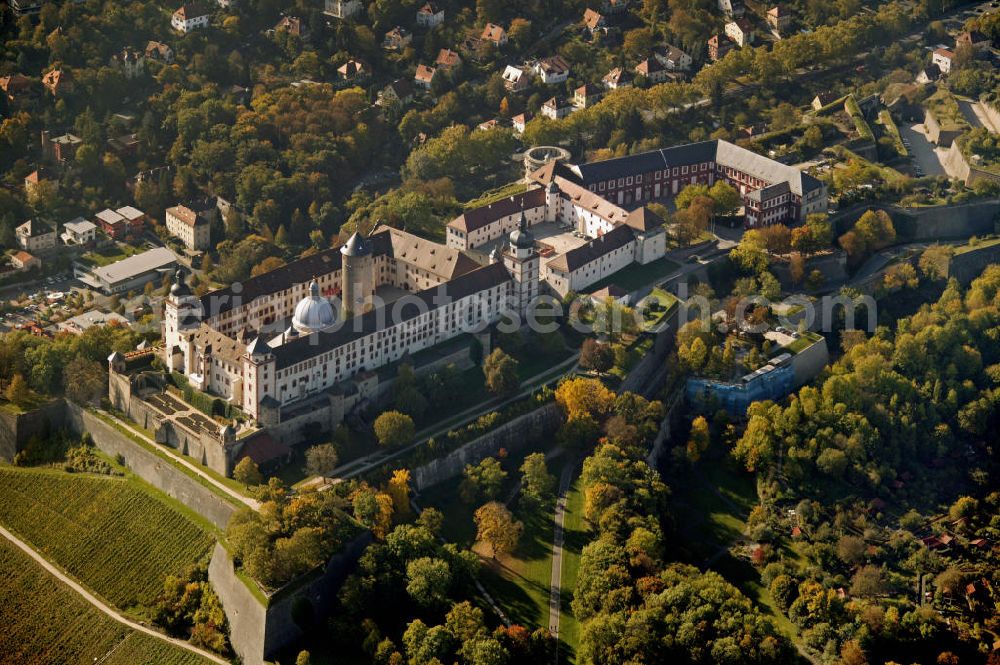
{"x":926,"y":158}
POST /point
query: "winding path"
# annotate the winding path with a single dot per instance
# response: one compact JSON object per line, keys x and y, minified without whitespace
{"x":93,"y":600}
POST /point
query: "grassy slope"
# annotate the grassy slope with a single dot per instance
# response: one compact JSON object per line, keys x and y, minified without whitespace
{"x":709,"y":523}
{"x":577,"y":535}
{"x":106,"y":532}
{"x":45,"y":622}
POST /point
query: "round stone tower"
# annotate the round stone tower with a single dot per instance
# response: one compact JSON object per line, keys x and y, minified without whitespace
{"x":357,"y":275}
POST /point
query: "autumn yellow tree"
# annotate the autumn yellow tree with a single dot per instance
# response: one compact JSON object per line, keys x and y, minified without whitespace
{"x":698,"y":441}
{"x":399,"y":489}
{"x":581,"y":397}
{"x":496,"y":527}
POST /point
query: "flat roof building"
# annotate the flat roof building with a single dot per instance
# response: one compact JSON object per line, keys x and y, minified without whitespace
{"x":131,"y":273}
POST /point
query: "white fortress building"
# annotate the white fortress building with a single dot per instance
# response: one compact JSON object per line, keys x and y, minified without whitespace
{"x":274,"y":342}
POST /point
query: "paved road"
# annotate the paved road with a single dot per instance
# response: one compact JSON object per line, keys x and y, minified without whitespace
{"x":90,"y":598}
{"x":252,"y":503}
{"x":921,"y":149}
{"x":555,"y":584}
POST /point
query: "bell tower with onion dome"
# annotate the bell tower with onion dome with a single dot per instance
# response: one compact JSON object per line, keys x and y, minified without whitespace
{"x":522,"y":262}
{"x":357,"y":275}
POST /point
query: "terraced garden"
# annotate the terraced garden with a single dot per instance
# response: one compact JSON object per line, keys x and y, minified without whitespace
{"x":108,"y":533}
{"x":45,"y":622}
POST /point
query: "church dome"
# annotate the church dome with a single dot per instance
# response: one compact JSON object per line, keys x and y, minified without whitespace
{"x":314,"y":312}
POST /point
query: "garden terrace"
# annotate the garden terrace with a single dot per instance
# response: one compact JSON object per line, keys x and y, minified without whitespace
{"x":946,"y":111}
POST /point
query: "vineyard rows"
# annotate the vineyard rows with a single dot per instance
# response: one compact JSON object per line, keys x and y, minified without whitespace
{"x":44,"y":622}
{"x":106,"y":532}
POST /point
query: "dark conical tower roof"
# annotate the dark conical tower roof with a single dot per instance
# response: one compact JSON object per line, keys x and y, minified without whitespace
{"x":356,"y":245}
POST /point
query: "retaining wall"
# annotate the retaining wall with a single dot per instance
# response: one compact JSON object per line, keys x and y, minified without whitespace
{"x":17,"y":429}
{"x":149,"y":466}
{"x":946,"y":222}
{"x":512,"y":436}
{"x":258,"y":630}
{"x":969,"y":265}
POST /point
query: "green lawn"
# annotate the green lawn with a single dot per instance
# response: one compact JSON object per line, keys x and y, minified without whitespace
{"x":637,"y":276}
{"x":104,"y":256}
{"x":108,"y":533}
{"x":709,"y":523}
{"x":804,"y":341}
{"x":577,"y":536}
{"x":45,"y":622}
{"x":519,"y":582}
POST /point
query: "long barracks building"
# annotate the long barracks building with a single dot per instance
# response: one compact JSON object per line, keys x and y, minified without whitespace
{"x":772,"y":192}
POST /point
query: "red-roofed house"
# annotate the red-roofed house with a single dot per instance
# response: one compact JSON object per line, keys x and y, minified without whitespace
{"x":494,"y":33}
{"x":424,"y":76}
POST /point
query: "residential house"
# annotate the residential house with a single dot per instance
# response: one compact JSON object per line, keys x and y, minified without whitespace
{"x":495,"y":34}
{"x":125,"y":145}
{"x":430,"y":15}
{"x":397,"y":93}
{"x":135,"y":219}
{"x":732,"y":8}
{"x":673,"y":58}
{"x":341,"y":9}
{"x":718,"y":47}
{"x":740,"y":31}
{"x":519,"y":121}
{"x":22,"y":260}
{"x":60,"y":148}
{"x":353,"y":70}
{"x":130,"y":63}
{"x":293,"y":25}
{"x":553,"y":69}
{"x":191,"y":16}
{"x":487,"y":125}
{"x":58,"y":82}
{"x":779,"y":19}
{"x":191,"y":228}
{"x":35,"y":235}
{"x":79,"y":232}
{"x":515,"y":79}
{"x":974,"y":39}
{"x":112,"y":224}
{"x":929,"y":74}
{"x":447,"y":59}
{"x":424,"y":76}
{"x":587,"y":95}
{"x":594,"y":21}
{"x":25,"y":7}
{"x":37,"y":177}
{"x":619,"y":77}
{"x":824,"y":99}
{"x":14,"y":86}
{"x":160,"y":52}
{"x":651,"y":70}
{"x":943,"y":58}
{"x":556,"y":108}
{"x":397,"y":39}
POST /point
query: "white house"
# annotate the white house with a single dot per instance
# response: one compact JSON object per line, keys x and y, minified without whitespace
{"x":430,"y":15}
{"x":190,"y":17}
{"x":191,"y":228}
{"x":79,"y":232}
{"x":556,"y":108}
{"x":943,"y":58}
{"x":514,"y":78}
{"x":673,"y":58}
{"x":740,"y":31}
{"x":552,"y":70}
{"x":341,"y":8}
